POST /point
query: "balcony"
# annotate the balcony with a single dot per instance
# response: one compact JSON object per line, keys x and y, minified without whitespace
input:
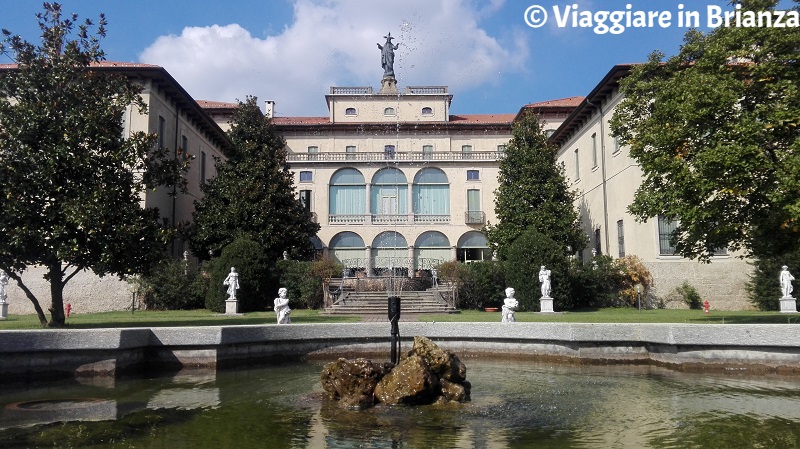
{"x":474,"y":217}
{"x":377,"y":156}
{"x":381,"y":219}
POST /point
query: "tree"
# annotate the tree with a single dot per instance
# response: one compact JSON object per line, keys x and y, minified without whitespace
{"x":533,"y":192}
{"x":716,"y":132}
{"x":253,"y":194}
{"x":70,"y":180}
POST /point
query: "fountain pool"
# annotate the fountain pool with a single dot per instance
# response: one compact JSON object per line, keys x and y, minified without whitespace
{"x":515,"y":403}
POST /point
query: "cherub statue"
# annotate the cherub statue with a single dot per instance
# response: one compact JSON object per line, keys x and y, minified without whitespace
{"x":510,"y":305}
{"x":282,"y":309}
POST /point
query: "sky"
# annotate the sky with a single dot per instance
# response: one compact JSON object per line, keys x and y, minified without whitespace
{"x":293,"y":51}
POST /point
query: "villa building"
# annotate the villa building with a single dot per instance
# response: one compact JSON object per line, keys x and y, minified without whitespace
{"x":606,"y":178}
{"x":395,"y":179}
{"x":180,"y":122}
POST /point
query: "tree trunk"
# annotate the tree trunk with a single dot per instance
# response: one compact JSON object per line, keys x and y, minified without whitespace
{"x":57,"y":296}
{"x":31,"y":297}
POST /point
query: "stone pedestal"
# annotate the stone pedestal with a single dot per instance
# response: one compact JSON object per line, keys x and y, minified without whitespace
{"x":3,"y":310}
{"x":388,"y":86}
{"x":546,"y":305}
{"x":231,"y":307}
{"x":788,"y":305}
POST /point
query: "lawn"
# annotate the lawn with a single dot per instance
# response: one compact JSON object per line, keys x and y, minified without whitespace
{"x":207,"y":318}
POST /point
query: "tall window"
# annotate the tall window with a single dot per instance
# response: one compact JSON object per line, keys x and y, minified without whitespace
{"x":431,"y":195}
{"x":202,"y":166}
{"x":388,"y":151}
{"x":350,"y":152}
{"x":474,"y":212}
{"x":577,"y":166}
{"x":313,"y":152}
{"x":305,"y":199}
{"x":666,"y":228}
{"x":347,"y":195}
{"x":594,"y":150}
{"x":616,"y":145}
{"x":162,"y":133}
{"x":466,"y":151}
{"x":348,"y":248}
{"x":598,"y":246}
{"x":427,"y":151}
{"x":389,"y":194}
{"x":621,"y":238}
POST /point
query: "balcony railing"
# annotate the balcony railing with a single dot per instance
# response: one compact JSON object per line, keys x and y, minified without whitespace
{"x":351,"y":90}
{"x":375,"y":156}
{"x":474,"y":217}
{"x":404,"y":219}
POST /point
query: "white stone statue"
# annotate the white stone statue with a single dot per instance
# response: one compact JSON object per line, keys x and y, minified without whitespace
{"x":786,"y":279}
{"x":434,"y":278}
{"x":544,"y":278}
{"x":232,"y":281}
{"x":282,"y":309}
{"x":3,"y":283}
{"x":510,"y":305}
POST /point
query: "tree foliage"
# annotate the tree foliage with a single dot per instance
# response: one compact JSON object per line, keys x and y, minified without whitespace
{"x":533,"y":191}
{"x":253,"y":194}
{"x":258,"y":277}
{"x":716,"y":131}
{"x":70,"y":180}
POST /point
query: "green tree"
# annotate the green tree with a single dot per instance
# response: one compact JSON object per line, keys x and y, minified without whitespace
{"x":716,"y":132}
{"x":70,"y":179}
{"x":533,"y":192}
{"x":253,"y":194}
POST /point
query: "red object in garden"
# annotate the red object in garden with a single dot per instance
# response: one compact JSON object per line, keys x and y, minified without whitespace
{"x":706,"y":305}
{"x":69,"y":307}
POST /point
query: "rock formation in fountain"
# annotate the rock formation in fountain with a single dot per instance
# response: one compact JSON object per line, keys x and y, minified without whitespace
{"x":427,"y":374}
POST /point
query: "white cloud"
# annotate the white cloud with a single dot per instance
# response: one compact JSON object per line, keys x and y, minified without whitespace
{"x":333,"y":43}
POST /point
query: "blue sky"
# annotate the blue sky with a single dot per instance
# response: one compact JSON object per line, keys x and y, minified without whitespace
{"x":292,"y":51}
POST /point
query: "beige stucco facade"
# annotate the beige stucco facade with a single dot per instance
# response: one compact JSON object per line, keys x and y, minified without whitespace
{"x":442,"y":168}
{"x":606,"y":179}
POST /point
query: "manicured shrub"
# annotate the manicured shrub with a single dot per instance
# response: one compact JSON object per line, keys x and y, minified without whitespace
{"x":524,"y":257}
{"x":483,"y":286}
{"x":764,"y":287}
{"x":258,"y":277}
{"x":171,"y":285}
{"x":304,"y":280}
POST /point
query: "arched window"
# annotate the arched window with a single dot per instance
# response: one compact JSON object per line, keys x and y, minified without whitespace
{"x":389,"y":196}
{"x":348,"y":248}
{"x":473,"y":245}
{"x":431,"y":196}
{"x":427,"y":111}
{"x":431,"y":249}
{"x":350,"y":111}
{"x":389,"y":250}
{"x":388,"y":111}
{"x":347,"y":199}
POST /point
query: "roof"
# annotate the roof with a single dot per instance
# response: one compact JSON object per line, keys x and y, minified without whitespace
{"x":587,"y":107}
{"x":170,"y":86}
{"x":561,"y":105}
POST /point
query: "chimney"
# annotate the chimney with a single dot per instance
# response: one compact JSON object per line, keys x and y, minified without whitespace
{"x":269,"y":108}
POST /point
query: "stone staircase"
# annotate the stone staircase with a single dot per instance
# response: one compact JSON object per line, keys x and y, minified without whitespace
{"x":376,"y":303}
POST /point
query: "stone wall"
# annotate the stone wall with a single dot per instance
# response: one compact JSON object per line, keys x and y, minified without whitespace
{"x":86,"y":292}
{"x":723,"y":282}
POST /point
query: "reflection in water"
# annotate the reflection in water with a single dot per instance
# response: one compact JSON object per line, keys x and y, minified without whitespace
{"x":514,"y":404}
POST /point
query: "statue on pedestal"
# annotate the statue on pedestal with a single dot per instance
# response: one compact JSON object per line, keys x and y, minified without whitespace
{"x":3,"y":283}
{"x":510,"y":305}
{"x":281,"y":307}
{"x":544,"y":278}
{"x":232,"y":281}
{"x":387,"y":56}
{"x":786,"y":279}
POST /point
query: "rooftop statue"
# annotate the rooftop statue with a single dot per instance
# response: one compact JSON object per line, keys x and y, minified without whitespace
{"x":387,"y":55}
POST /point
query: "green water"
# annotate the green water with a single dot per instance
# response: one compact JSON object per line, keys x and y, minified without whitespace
{"x":514,"y":405}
